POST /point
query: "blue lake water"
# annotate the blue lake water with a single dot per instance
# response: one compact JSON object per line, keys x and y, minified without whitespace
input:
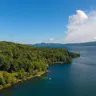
{"x":76,"y":79}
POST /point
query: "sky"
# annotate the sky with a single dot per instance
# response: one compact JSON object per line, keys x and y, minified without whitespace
{"x":57,"y":21}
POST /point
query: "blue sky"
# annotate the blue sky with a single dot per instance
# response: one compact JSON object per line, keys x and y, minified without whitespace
{"x":34,"y":21}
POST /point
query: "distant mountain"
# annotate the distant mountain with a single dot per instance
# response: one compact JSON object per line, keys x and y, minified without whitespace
{"x":83,"y":44}
{"x":58,"y":45}
{"x":49,"y":45}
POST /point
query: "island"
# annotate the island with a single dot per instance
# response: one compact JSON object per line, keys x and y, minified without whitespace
{"x":19,"y":62}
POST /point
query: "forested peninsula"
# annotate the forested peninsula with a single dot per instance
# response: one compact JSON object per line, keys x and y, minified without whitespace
{"x":19,"y":62}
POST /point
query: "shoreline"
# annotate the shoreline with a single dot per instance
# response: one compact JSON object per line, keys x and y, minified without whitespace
{"x":22,"y":80}
{"x":39,"y":74}
{"x":28,"y":77}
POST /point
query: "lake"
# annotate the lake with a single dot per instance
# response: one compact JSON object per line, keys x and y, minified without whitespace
{"x":76,"y":79}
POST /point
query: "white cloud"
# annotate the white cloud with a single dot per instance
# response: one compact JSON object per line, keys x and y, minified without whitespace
{"x":51,"y":39}
{"x":81,"y":27}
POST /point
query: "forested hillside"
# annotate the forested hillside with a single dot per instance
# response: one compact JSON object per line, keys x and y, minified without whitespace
{"x":23,"y":60}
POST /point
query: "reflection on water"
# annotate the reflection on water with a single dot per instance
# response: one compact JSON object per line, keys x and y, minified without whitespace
{"x":76,"y":79}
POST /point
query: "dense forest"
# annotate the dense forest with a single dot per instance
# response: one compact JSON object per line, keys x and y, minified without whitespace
{"x":18,"y":61}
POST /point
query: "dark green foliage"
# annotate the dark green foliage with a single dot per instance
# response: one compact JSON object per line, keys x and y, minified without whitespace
{"x":6,"y":76}
{"x":9,"y":78}
{"x":74,"y":55}
{"x":18,"y":61}
{"x":2,"y":81}
{"x":21,"y":74}
{"x":23,"y":58}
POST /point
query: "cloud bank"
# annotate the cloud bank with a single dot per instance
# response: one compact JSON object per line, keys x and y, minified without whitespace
{"x":81,"y":27}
